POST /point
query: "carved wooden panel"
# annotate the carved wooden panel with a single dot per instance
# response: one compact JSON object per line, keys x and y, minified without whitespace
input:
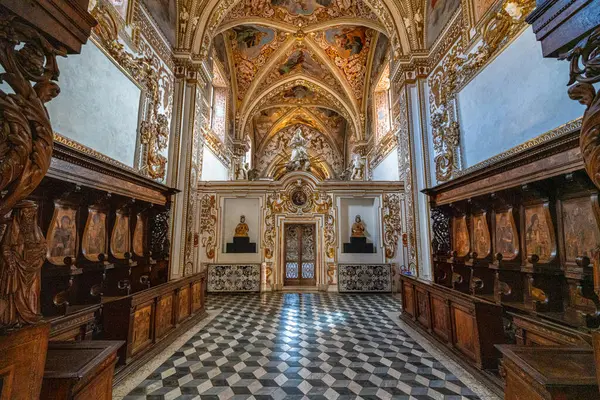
{"x":460,"y":236}
{"x":196,"y":296}
{"x":464,"y":331}
{"x":580,"y":229}
{"x":139,"y":236}
{"x":408,"y":302}
{"x":164,"y":315}
{"x":440,"y":323}
{"x":94,"y":240}
{"x":142,"y":328}
{"x":184,"y":303}
{"x":62,"y":234}
{"x":507,"y":238}
{"x":539,"y":233}
{"x":423,"y":307}
{"x":120,"y":241}
{"x":481,"y":235}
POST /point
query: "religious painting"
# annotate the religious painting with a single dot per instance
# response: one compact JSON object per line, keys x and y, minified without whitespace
{"x":381,"y":50}
{"x":120,"y":239}
{"x":250,"y":39}
{"x":301,"y":60}
{"x":94,"y":241}
{"x":139,"y":234}
{"x":581,"y":236}
{"x":298,"y":92}
{"x":347,"y":41}
{"x":439,"y":14}
{"x":164,"y":13}
{"x":460,"y":235}
{"x":480,"y":7}
{"x":301,"y":7}
{"x":121,"y":7}
{"x":507,"y":241}
{"x":538,"y":233}
{"x":62,"y":234}
{"x":481,"y":236}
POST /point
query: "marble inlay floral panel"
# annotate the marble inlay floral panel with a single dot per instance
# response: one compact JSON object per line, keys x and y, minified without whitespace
{"x":233,"y":278}
{"x":364,"y":278}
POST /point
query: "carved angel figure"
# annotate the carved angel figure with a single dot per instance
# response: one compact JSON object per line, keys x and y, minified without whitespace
{"x":23,"y":250}
{"x":358,"y":168}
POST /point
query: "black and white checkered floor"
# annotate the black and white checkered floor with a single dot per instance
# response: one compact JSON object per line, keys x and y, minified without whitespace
{"x":302,"y":346}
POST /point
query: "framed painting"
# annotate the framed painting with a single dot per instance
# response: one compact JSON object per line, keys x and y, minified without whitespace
{"x":139,"y":236}
{"x":506,"y":237}
{"x":62,"y":238}
{"x":460,"y":236}
{"x":120,"y":239}
{"x":93,"y":242}
{"x":581,"y":236}
{"x":481,"y":235}
{"x":438,"y":15}
{"x":481,"y":7}
{"x":539,"y":233}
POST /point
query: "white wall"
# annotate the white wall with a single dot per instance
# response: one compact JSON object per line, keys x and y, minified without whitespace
{"x":232,"y":209}
{"x":387,"y":170}
{"x":98,"y":105}
{"x":519,"y":96}
{"x":212,"y":168}
{"x":370,"y":213}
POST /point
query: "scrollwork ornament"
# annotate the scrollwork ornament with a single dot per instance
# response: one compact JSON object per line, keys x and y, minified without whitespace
{"x":441,"y":231}
{"x":584,"y":72}
{"x":208,"y":223}
{"x":392,"y":223}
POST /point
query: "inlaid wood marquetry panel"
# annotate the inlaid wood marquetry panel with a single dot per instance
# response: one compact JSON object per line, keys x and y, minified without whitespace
{"x":196,"y":296}
{"x":184,"y":303}
{"x":439,"y":321}
{"x":408,"y":299}
{"x":464,"y":331}
{"x":164,"y":315}
{"x":142,"y":328}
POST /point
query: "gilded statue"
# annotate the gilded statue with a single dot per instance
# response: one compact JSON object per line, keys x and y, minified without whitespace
{"x":23,"y":252}
{"x":358,"y":227}
{"x":241,"y":230}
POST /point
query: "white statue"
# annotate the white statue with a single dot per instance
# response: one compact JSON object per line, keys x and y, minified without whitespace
{"x":358,"y":168}
{"x":299,"y":160}
{"x":241,"y":172}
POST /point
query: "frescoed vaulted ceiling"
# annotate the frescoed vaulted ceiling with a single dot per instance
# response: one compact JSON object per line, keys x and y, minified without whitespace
{"x":306,"y":63}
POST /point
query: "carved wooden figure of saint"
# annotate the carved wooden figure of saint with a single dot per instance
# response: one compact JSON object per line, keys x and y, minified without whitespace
{"x":23,"y":250}
{"x":241,"y":230}
{"x":358,"y":227}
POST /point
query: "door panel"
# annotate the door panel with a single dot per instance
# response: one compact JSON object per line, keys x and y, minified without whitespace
{"x":299,"y":255}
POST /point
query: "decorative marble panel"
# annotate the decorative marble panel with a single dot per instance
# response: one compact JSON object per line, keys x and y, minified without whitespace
{"x":233,"y":278}
{"x":364,"y":278}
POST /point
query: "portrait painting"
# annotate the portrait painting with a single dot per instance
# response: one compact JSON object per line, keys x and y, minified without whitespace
{"x":538,"y":234}
{"x":481,"y":236}
{"x":301,"y":60}
{"x":298,"y":92}
{"x":62,"y":234}
{"x":300,"y":7}
{"x":507,"y":241}
{"x":250,"y":39}
{"x":439,"y":13}
{"x":164,"y":13}
{"x":121,"y":7}
{"x":460,"y":235}
{"x":94,"y":241}
{"x":139,"y":234}
{"x":581,"y":236}
{"x":480,"y":7}
{"x":120,"y":241}
{"x":347,"y":40}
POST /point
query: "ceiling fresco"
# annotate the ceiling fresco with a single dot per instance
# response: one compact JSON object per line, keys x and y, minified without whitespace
{"x":293,"y":63}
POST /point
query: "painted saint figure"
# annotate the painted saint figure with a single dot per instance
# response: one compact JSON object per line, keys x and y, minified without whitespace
{"x":241,"y":230}
{"x":358,"y":227}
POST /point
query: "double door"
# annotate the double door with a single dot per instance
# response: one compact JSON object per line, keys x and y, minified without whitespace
{"x":299,"y":255}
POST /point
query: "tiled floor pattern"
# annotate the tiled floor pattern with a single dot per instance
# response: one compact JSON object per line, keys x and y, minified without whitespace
{"x":302,"y":346}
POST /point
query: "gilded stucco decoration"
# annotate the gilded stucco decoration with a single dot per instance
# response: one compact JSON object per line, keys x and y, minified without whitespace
{"x":300,"y":198}
{"x":154,"y":129}
{"x":208,"y":224}
{"x":392,"y":223}
{"x":456,"y":70}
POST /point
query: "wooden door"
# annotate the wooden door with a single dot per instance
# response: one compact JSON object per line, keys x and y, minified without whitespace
{"x":299,"y":255}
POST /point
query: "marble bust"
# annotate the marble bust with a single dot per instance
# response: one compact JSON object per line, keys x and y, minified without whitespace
{"x":358,"y":227}
{"x":241,"y":230}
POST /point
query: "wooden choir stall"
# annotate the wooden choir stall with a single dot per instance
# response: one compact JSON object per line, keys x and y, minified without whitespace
{"x":84,"y":270}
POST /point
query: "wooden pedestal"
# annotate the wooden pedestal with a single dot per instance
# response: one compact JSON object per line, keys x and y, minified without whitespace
{"x":22,"y":358}
{"x":549,"y":373}
{"x":80,"y":370}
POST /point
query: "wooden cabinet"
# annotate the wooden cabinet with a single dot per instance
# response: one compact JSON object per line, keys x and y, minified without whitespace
{"x":549,"y":373}
{"x":80,"y":370}
{"x":153,"y":316}
{"x":469,"y":326}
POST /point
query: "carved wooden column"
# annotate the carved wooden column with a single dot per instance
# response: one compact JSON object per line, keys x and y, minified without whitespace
{"x":32,"y":34}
